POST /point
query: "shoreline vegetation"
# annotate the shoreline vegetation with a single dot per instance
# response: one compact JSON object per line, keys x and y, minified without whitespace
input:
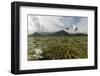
{"x":59,"y":33}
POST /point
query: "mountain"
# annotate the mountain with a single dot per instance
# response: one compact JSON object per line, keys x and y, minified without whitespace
{"x":36,"y":34}
{"x":58,"y":33}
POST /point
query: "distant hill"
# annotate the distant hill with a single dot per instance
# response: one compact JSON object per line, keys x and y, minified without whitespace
{"x":58,"y":33}
{"x":36,"y":34}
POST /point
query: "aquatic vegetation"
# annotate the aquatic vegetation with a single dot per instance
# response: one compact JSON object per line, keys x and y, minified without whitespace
{"x":53,"y":48}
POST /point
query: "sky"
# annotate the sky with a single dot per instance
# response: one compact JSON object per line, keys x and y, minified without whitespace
{"x":49,"y":23}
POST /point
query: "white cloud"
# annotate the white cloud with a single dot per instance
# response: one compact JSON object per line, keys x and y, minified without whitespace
{"x":54,"y":23}
{"x":83,"y":25}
